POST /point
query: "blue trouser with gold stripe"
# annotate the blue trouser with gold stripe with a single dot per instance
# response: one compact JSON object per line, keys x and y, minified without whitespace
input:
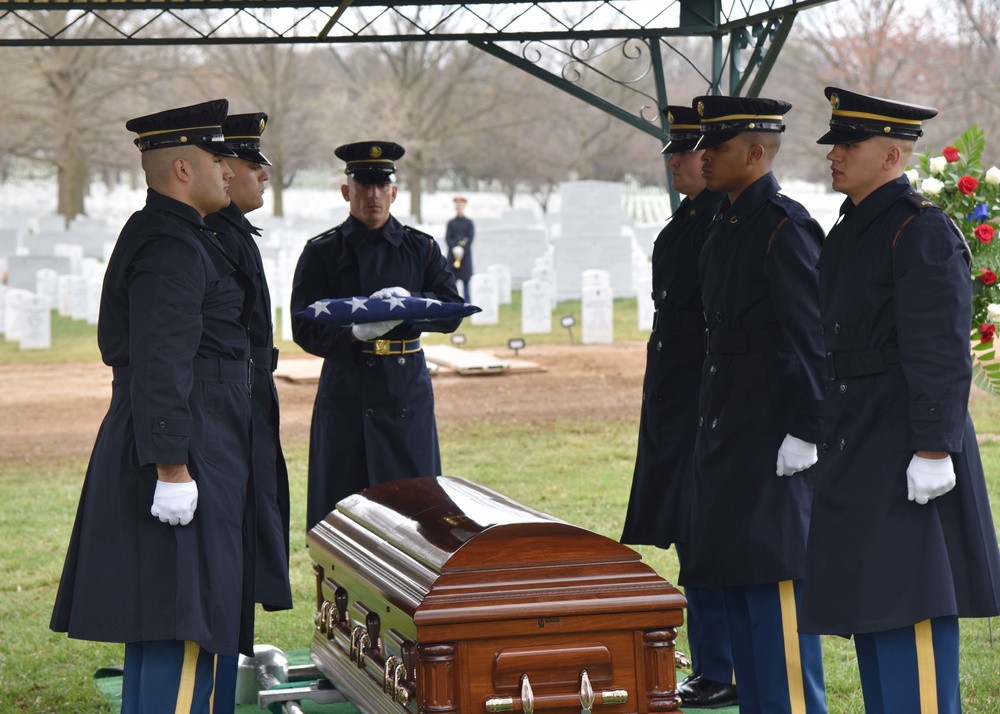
{"x":707,"y":632}
{"x":176,"y":677}
{"x":911,"y":669}
{"x":778,"y":671}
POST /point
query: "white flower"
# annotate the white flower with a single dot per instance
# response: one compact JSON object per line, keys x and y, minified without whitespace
{"x":931,"y":186}
{"x":993,"y":313}
{"x":912,"y":175}
{"x":993,"y":176}
{"x":938,"y":164}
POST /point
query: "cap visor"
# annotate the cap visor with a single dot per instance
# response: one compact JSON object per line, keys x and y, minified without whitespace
{"x":254,"y":157}
{"x":676,"y":147}
{"x":842,"y":137}
{"x":219,"y":150}
{"x":371,"y":177}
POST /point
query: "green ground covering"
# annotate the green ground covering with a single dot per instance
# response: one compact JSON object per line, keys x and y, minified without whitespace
{"x":579,"y":471}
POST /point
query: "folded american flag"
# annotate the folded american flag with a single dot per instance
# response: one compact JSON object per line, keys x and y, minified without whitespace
{"x":359,"y":310}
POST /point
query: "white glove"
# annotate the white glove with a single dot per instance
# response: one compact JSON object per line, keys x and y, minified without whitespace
{"x":371,"y":330}
{"x":929,"y":478}
{"x":175,"y":503}
{"x":386,"y":293}
{"x":795,"y":455}
{"x":458,"y":251}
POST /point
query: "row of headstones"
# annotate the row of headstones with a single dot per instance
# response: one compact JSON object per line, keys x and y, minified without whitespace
{"x":538,"y":302}
{"x":26,"y":317}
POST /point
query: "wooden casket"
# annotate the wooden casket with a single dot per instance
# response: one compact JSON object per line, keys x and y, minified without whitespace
{"x":438,"y":595}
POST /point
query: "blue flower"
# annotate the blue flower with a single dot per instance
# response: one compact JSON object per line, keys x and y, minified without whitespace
{"x":981,"y":213}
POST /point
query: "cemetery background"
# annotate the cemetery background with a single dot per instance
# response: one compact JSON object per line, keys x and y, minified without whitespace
{"x":562,"y":440}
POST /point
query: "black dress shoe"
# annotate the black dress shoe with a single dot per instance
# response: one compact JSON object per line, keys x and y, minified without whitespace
{"x":699,"y":693}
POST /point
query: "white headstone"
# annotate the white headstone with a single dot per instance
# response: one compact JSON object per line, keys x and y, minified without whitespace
{"x":483,"y":294}
{"x":12,"y":313}
{"x":94,"y":286}
{"x":3,"y":309}
{"x":36,"y":322}
{"x":536,"y":307}
{"x":286,"y":312}
{"x":593,"y":235}
{"x":547,"y":275}
{"x":47,"y":285}
{"x":79,"y":295}
{"x":644,"y":302}
{"x":64,"y":302}
{"x":597,"y":315}
{"x":502,"y":273}
{"x":72,"y":251}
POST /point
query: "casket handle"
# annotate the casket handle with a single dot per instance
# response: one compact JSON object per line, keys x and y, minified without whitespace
{"x":586,"y":693}
{"x":527,"y":696}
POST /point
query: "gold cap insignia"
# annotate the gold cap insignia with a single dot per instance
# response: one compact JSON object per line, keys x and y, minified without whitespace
{"x":262,"y":122}
{"x":887,"y":129}
{"x":701,"y":109}
{"x":835,"y":100}
{"x":751,"y":125}
{"x":374,"y":152}
{"x":183,"y":139}
{"x":670,"y":117}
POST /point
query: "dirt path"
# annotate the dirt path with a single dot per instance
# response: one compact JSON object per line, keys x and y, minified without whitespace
{"x":52,"y":411}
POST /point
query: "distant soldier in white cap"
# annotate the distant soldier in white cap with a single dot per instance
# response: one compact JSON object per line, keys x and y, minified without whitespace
{"x":902,"y":541}
{"x":760,"y":407}
{"x":373,"y":420}
{"x":158,"y":558}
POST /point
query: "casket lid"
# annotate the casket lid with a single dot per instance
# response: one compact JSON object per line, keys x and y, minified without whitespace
{"x":451,"y":524}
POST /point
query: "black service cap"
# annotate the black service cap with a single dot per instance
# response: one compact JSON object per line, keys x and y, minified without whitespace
{"x":243,"y":132}
{"x":857,"y":117}
{"x":685,"y":128}
{"x":722,"y":118}
{"x":370,"y":161}
{"x":197,"y":125}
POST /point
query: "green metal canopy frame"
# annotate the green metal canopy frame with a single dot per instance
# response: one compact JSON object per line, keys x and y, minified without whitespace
{"x":562,"y":42}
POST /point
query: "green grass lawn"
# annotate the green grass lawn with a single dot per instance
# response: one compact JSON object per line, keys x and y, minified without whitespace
{"x":579,"y":471}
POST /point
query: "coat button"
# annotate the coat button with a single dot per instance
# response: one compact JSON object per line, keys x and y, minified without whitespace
{"x":932,"y":410}
{"x":718,"y":317}
{"x":712,"y":369}
{"x":370,"y":361}
{"x":836,"y":328}
{"x":701,"y":421}
{"x":715,"y":423}
{"x":163,"y":425}
{"x":663,"y":294}
{"x":822,"y":329}
{"x":401,"y":360}
{"x":826,"y":448}
{"x":659,"y":345}
{"x":843,"y":388}
{"x":842,"y":444}
{"x":403,"y":412}
{"x":369,"y":412}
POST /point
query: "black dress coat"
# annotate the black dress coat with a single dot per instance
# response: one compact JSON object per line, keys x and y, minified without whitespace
{"x":373,"y":419}
{"x":660,"y":500}
{"x":270,"y":476}
{"x":895,"y":317}
{"x":173,"y":325}
{"x":460,"y":231}
{"x":762,"y":379}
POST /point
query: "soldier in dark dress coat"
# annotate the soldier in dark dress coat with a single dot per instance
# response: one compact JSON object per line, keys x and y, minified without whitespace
{"x":158,"y":557}
{"x":902,"y":541}
{"x":659,"y":504}
{"x":373,"y":419}
{"x":759,"y":413}
{"x":458,"y":235}
{"x":270,"y":476}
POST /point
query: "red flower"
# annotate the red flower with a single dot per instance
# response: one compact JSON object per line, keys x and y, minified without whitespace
{"x":984,"y":233}
{"x":987,"y":277}
{"x":950,"y":153}
{"x":987,"y":332}
{"x":967,"y":185}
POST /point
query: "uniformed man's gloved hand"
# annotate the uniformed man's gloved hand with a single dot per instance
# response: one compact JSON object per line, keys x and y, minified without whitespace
{"x":386,"y":293}
{"x":929,"y":478}
{"x":371,"y":330}
{"x":175,"y":503}
{"x":795,"y":455}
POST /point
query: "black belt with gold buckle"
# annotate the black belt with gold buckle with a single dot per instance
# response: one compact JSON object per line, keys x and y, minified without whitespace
{"x":391,"y":347}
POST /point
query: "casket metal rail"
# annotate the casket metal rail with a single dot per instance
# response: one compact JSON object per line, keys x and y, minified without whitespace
{"x":440,"y":595}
